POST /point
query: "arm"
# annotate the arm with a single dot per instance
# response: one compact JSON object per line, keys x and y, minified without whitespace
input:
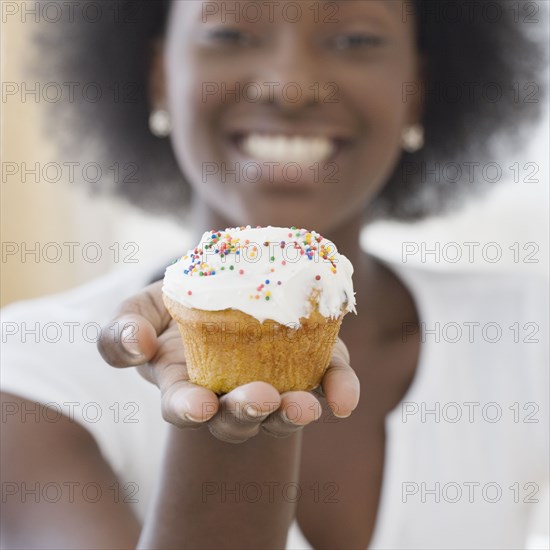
{"x":194,"y":506}
{"x":44,"y":467}
{"x":214,"y":494}
{"x":188,"y":509}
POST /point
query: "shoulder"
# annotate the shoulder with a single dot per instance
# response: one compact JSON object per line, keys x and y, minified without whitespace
{"x":486,"y":331}
{"x":53,"y":339}
{"x":477,"y":321}
{"x":50,"y":357}
{"x":88,"y":300}
{"x":505,"y":292}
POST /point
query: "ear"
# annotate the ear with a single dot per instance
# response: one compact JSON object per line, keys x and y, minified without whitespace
{"x":157,"y":76}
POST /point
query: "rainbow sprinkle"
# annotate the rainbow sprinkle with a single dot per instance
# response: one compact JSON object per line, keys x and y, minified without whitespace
{"x":229,"y":247}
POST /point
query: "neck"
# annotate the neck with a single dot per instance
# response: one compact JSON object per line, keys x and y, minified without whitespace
{"x":380,"y":297}
{"x":383,"y":303}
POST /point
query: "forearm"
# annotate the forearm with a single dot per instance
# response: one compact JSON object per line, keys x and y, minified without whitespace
{"x":212,"y":494}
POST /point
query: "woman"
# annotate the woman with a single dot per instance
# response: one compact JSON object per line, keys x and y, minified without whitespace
{"x":367,"y":80}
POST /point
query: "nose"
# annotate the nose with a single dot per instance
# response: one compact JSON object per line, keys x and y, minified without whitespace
{"x":292,"y":76}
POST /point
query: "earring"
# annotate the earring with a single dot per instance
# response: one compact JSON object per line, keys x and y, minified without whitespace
{"x":160,"y":123}
{"x":412,"y":138}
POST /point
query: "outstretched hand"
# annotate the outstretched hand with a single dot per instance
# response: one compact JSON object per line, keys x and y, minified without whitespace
{"x":144,"y":335}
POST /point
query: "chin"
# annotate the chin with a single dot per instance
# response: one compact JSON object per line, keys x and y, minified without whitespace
{"x":283,"y":209}
{"x":309,"y":218}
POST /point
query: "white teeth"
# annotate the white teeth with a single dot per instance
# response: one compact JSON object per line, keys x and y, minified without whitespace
{"x":283,"y":149}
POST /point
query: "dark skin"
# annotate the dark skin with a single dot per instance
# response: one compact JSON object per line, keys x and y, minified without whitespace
{"x":369,"y":53}
{"x":385,"y":366}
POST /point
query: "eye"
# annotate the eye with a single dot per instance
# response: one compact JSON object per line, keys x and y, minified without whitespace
{"x":229,"y":36}
{"x":356,"y":41}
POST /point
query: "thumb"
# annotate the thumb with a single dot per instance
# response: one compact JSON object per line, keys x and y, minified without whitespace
{"x":130,"y":339}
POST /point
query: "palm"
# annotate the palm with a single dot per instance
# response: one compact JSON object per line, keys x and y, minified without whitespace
{"x":237,"y":415}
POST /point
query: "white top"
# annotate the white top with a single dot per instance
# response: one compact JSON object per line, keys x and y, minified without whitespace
{"x":467,"y":449}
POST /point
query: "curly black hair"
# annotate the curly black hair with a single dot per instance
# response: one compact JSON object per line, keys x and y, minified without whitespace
{"x":481,"y":81}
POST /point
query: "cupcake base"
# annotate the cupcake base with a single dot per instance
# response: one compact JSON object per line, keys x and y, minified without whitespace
{"x":229,"y":348}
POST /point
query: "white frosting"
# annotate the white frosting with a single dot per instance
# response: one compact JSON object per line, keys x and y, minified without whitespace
{"x":237,"y":279}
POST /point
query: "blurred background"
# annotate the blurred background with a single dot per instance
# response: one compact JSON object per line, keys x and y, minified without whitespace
{"x":43,"y":210}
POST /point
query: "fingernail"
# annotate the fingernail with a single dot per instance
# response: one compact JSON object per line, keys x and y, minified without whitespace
{"x":254,"y":412}
{"x":291,"y":422}
{"x":187,"y":416}
{"x":341,"y":415}
{"x":129,"y":341}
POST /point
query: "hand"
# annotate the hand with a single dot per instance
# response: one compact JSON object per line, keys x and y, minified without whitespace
{"x":144,"y":335}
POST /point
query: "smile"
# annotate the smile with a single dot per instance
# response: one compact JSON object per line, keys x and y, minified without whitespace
{"x":284,"y":149}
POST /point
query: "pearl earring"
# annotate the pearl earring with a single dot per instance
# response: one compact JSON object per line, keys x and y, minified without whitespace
{"x":160,"y":123}
{"x":412,"y":138}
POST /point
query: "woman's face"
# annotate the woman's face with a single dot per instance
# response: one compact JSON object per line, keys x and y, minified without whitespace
{"x":288,"y":113}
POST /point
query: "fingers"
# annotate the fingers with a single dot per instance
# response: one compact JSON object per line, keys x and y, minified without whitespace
{"x":184,"y":404}
{"x":131,"y":338}
{"x":258,"y":405}
{"x":143,"y":334}
{"x":169,"y":351}
{"x":243,"y":410}
{"x":340,"y":384}
{"x":297,"y":409}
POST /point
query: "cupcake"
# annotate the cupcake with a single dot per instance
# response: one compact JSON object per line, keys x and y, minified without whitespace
{"x":263,"y":303}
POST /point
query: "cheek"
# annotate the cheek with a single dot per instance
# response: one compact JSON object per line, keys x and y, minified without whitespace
{"x":194,"y":102}
{"x":375,"y":95}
